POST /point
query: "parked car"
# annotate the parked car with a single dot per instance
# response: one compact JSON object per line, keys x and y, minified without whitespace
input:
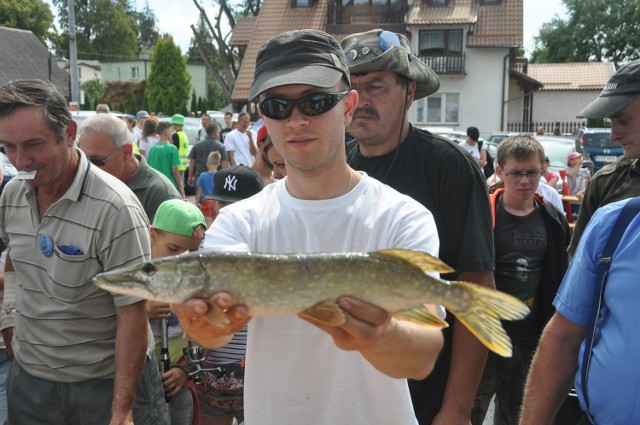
{"x":557,"y":149}
{"x":191,"y":127}
{"x":499,"y":137}
{"x":599,"y":146}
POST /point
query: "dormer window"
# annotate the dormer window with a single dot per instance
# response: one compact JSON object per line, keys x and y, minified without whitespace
{"x":490,"y":2}
{"x":438,"y":2}
{"x":302,"y":3}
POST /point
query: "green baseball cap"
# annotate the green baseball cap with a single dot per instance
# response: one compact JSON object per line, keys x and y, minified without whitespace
{"x":180,"y":217}
{"x":177,"y":119}
{"x":379,"y":50}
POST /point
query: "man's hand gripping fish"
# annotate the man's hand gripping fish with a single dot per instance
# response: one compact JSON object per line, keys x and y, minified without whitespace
{"x":268,"y":284}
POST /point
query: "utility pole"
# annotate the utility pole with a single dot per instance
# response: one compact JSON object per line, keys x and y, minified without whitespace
{"x":73,"y":55}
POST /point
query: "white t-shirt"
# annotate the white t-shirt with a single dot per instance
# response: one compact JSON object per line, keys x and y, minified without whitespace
{"x":294,"y":372}
{"x":238,"y":143}
{"x":473,"y":150}
{"x":146,"y":143}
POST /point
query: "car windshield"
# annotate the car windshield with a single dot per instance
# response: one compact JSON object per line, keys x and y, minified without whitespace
{"x":557,"y":152}
{"x":599,"y":140}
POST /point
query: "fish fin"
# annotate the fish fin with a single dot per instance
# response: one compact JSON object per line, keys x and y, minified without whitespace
{"x":418,"y":259}
{"x":488,"y":306}
{"x":421,"y":316}
{"x":327,"y":312}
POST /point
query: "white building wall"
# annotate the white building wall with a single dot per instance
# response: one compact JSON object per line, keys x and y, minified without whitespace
{"x":562,"y":106}
{"x":480,"y":90}
{"x":88,"y":73}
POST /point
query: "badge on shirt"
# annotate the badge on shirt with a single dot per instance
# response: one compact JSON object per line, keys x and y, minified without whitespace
{"x":46,"y":245}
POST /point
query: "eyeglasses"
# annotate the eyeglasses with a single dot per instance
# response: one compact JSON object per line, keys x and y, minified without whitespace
{"x":101,"y":162}
{"x":530,"y":175}
{"x":311,"y":105}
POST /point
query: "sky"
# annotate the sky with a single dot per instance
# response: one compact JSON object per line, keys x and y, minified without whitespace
{"x":176,"y":16}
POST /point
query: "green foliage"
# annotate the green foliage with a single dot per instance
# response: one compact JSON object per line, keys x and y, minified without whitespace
{"x":133,"y":107}
{"x":169,"y":83}
{"x":595,"y":30}
{"x":31,"y":15}
{"x":596,"y":123}
{"x":93,"y":92}
{"x":105,"y":29}
{"x":121,"y":93}
{"x":194,"y":102}
{"x":88,"y":104}
{"x":147,"y":27}
{"x":201,"y":105}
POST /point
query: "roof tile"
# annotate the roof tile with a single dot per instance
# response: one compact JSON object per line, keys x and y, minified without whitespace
{"x":243,"y":31}
{"x":572,"y":76}
{"x":276,"y":16}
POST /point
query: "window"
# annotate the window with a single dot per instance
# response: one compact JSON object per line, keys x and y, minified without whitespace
{"x":490,"y":1}
{"x":438,"y":2}
{"x":440,"y":43}
{"x":439,"y":108}
{"x":135,"y":73}
{"x":302,"y":3}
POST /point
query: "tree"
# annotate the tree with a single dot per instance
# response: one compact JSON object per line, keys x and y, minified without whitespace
{"x":194,"y":102}
{"x":169,"y":83}
{"x":30,"y":15}
{"x":222,"y":61}
{"x":595,"y":30}
{"x":105,"y":29}
{"x":148,"y":28}
{"x":93,"y":92}
{"x":133,"y":108}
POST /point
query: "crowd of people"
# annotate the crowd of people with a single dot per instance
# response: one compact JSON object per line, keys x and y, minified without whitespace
{"x":112,"y":194}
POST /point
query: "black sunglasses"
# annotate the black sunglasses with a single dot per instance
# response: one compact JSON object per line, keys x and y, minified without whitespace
{"x":99,"y":161}
{"x":311,"y":105}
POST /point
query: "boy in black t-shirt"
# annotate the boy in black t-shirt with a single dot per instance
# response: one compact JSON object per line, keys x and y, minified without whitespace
{"x":531,"y":237}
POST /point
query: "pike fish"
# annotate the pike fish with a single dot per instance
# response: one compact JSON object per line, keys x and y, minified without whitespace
{"x":272,"y":284}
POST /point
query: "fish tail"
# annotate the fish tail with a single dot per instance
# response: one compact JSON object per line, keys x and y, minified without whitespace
{"x":487,"y":308}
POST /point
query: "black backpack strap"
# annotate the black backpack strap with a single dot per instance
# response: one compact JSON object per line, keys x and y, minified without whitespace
{"x":629,"y":211}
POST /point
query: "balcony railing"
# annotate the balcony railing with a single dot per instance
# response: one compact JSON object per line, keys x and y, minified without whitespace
{"x":445,"y":64}
{"x":520,"y":64}
{"x":366,"y":14}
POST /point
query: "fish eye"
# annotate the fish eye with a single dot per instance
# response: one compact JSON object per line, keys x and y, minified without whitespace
{"x":148,"y":268}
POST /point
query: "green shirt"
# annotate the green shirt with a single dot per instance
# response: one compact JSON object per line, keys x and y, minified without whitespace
{"x":163,"y":157}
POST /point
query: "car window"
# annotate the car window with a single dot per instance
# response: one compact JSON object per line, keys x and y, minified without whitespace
{"x":557,"y":152}
{"x":598,"y":140}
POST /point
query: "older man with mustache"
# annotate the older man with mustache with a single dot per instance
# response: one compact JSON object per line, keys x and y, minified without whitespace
{"x":439,"y":175}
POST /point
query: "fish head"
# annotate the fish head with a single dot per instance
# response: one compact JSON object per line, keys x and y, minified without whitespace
{"x":169,"y":279}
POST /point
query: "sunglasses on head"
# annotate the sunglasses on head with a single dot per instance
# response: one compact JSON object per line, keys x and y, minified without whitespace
{"x":100,"y":161}
{"x":311,"y":105}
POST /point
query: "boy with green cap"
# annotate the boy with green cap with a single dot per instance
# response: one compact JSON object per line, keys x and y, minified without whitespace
{"x":178,"y":227}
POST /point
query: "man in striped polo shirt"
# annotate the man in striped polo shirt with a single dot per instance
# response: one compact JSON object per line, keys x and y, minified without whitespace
{"x":78,"y":350}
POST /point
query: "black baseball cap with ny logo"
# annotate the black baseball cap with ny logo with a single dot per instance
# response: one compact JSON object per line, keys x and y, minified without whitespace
{"x":235,"y":184}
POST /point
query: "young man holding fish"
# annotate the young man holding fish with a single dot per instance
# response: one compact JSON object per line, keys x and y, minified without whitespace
{"x":304,"y":371}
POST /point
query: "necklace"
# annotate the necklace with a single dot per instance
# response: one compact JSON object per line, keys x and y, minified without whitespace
{"x":349,"y":185}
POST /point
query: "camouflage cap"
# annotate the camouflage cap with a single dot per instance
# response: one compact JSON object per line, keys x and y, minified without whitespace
{"x":379,"y":50}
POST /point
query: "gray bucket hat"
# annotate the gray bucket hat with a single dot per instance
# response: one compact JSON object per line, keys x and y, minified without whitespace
{"x":622,"y":88}
{"x":379,"y":50}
